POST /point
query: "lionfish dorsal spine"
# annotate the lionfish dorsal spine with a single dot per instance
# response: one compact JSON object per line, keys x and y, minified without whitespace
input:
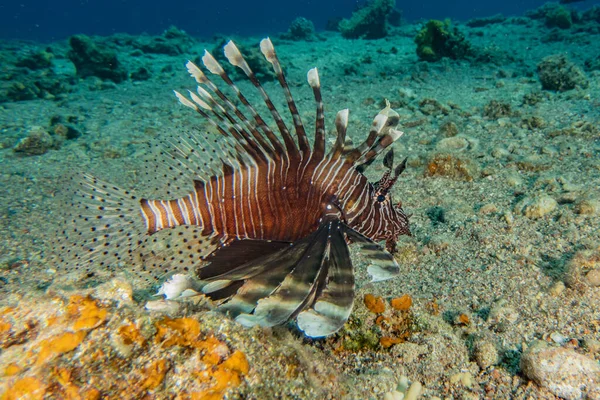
{"x":233,"y":54}
{"x":201,"y":78}
{"x":268,"y":50}
{"x":214,"y":67}
{"x":341,"y":127}
{"x":315,"y":84}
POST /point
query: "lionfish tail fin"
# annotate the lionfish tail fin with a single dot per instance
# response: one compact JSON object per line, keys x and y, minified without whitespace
{"x":109,"y":227}
{"x":103,"y":227}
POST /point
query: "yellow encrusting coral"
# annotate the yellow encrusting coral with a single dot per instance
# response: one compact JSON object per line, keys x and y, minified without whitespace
{"x":86,"y":312}
{"x":58,"y":345}
{"x":155,"y":374}
{"x":74,"y":351}
{"x":28,"y":388}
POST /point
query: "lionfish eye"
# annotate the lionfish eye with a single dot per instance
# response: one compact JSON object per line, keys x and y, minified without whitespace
{"x":380,"y":198}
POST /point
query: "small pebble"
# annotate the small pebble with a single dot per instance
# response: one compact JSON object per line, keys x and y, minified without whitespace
{"x":37,"y":142}
{"x":414,"y":391}
{"x":558,"y":338}
{"x":557,"y":288}
{"x":588,"y":207}
{"x":394,"y":395}
{"x":593,"y":277}
{"x":117,"y":290}
{"x":536,"y":207}
{"x":164,"y":306}
{"x":464,"y":378}
{"x":486,"y":353}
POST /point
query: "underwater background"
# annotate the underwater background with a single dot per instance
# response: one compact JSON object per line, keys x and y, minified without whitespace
{"x":499,"y":291}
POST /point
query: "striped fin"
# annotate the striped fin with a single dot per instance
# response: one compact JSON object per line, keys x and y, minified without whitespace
{"x":202,"y":79}
{"x":268,"y":50}
{"x":261,"y":277}
{"x":333,"y":306}
{"x":381,"y":135}
{"x":102,"y":229}
{"x":189,"y":156}
{"x":300,"y":286}
{"x":106,"y":229}
{"x":383,"y":264}
{"x":233,"y":261}
{"x":235,"y":57}
{"x":214,"y":67}
{"x":341,"y":127}
{"x":315,"y":84}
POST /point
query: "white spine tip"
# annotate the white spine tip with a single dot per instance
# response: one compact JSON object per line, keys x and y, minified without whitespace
{"x":342,"y":117}
{"x":233,"y":54}
{"x":313,"y":78}
{"x":268,"y":50}
{"x":199,"y":101}
{"x":196,"y":72}
{"x":211,"y":64}
{"x":183,"y":100}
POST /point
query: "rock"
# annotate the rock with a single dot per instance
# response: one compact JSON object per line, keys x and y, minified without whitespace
{"x":497,"y":109}
{"x":588,"y":207}
{"x":463,"y":378}
{"x":481,"y":22}
{"x":536,"y":207}
{"x":66,"y":131}
{"x":142,"y":74}
{"x":579,"y":267}
{"x":456,"y":144}
{"x":37,"y":142}
{"x":562,"y":371}
{"x":439,"y":39}
{"x":448,"y":129}
{"x":485,"y":353}
{"x":559,"y":17}
{"x":557,"y":288}
{"x":502,"y":315}
{"x":369,"y":22}
{"x":558,"y":73}
{"x":37,"y":60}
{"x":91,"y":59}
{"x":300,"y":29}
{"x":452,"y":166}
{"x":117,"y":290}
{"x":593,"y":277}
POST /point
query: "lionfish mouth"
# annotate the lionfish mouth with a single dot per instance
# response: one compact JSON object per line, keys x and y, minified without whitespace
{"x":254,"y":228}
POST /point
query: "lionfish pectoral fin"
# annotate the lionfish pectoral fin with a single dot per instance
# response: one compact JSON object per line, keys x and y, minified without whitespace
{"x":254,"y":267}
{"x":238,"y":259}
{"x":333,"y":305}
{"x":383,"y":265}
{"x":298,"y":289}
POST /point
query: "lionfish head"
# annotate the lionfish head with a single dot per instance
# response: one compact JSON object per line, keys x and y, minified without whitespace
{"x":396,"y":218}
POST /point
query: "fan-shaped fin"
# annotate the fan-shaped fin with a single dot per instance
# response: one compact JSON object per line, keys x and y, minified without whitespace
{"x":333,"y":305}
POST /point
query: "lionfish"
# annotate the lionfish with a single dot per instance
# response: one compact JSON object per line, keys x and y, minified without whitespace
{"x":267,"y":225}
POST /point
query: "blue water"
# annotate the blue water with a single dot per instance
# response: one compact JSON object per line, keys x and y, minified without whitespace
{"x":42,"y":20}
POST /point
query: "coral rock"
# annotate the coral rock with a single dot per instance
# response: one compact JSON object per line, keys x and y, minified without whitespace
{"x":564,"y":372}
{"x":558,"y":73}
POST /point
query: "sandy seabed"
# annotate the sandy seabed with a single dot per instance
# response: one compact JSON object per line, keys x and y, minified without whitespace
{"x":503,"y":185}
